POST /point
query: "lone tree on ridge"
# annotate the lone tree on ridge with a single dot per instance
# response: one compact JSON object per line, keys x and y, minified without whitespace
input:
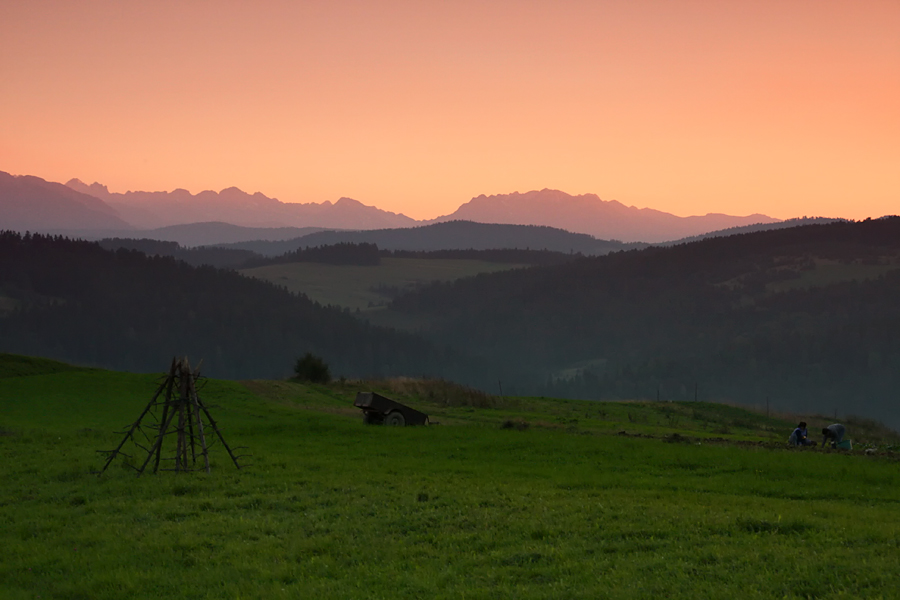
{"x":312,"y":368}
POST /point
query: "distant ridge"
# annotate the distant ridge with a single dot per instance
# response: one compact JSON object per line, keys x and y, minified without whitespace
{"x":210,"y":234}
{"x":589,"y":214}
{"x":450,"y":235}
{"x":757,"y":227}
{"x":152,"y":210}
{"x":585,"y":213}
{"x":29,"y":203}
{"x":93,"y":211}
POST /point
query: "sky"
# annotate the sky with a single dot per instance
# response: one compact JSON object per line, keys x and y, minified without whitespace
{"x":782,"y":107}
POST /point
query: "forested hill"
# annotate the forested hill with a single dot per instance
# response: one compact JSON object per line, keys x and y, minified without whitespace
{"x":452,"y":235}
{"x":223,"y":258}
{"x":75,"y":301}
{"x":754,"y":228}
{"x":806,"y":316}
{"x":343,"y":253}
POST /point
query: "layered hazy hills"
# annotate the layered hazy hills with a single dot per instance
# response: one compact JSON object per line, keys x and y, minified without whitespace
{"x":30,"y":203}
{"x":218,"y":233}
{"x":806,"y":315}
{"x":93,"y":211}
{"x":149,"y":210}
{"x":451,"y":235}
{"x":587,"y":213}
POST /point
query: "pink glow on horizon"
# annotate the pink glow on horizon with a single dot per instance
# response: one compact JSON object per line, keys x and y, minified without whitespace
{"x":787,"y":108}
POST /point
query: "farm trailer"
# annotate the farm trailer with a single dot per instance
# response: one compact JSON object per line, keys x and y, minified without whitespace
{"x":378,"y":410}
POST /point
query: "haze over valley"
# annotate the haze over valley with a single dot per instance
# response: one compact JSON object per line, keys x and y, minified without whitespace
{"x":507,"y":287}
{"x":117,"y":213}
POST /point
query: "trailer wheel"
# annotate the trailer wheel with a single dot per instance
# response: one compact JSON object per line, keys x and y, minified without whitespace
{"x":395,"y":418}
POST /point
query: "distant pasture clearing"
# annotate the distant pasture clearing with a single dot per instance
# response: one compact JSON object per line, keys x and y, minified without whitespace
{"x":354,"y":287}
{"x":822,"y":272}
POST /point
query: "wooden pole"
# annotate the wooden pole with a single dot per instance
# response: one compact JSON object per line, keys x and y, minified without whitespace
{"x":189,"y":405}
{"x":179,"y":436}
{"x":215,"y":427}
{"x":134,"y":426}
{"x":181,"y":447}
{"x":170,"y":383}
{"x":196,"y":402}
{"x":157,"y":444}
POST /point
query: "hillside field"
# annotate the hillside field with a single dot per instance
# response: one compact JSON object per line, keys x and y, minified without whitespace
{"x":353,"y":287}
{"x":7,"y":304}
{"x":505,"y":498}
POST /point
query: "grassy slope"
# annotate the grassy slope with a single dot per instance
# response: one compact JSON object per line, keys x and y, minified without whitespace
{"x":334,"y":509}
{"x":829,"y":272}
{"x":351,"y":286}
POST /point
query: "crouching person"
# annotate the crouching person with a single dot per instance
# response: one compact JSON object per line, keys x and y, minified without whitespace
{"x":834,"y":434}
{"x":800,"y":436}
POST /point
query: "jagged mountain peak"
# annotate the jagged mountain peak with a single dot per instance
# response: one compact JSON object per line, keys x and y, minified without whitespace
{"x":97,"y":190}
{"x":582,"y":213}
{"x":29,"y":203}
{"x":588,"y":213}
{"x":150,"y":210}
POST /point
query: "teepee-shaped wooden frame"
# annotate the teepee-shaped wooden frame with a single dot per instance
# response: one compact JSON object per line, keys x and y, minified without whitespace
{"x":182,"y":416}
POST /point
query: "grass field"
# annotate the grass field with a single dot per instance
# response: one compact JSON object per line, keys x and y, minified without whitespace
{"x":829,"y":272}
{"x":506,"y":498}
{"x":352,"y":286}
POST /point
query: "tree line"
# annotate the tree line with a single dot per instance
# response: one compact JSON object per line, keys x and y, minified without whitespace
{"x":125,"y":310}
{"x":740,"y":318}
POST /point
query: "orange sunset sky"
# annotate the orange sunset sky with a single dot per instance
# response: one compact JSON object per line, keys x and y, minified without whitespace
{"x":787,"y":108}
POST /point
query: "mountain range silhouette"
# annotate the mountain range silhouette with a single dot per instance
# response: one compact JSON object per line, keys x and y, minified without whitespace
{"x":31,"y":203}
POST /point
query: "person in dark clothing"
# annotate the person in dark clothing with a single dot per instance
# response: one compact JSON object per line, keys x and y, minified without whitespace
{"x":833,"y":433}
{"x":800,"y":436}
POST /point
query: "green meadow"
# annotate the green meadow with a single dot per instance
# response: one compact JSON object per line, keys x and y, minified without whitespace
{"x":822,"y":272}
{"x":505,"y":498}
{"x":354,"y":287}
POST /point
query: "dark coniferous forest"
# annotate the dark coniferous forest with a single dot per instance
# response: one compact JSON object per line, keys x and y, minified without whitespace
{"x":808,"y":317}
{"x":121,"y":309}
{"x":224,"y":258}
{"x":343,"y":253}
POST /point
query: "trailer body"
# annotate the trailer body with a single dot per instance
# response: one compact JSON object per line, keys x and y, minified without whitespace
{"x":379,"y":410}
